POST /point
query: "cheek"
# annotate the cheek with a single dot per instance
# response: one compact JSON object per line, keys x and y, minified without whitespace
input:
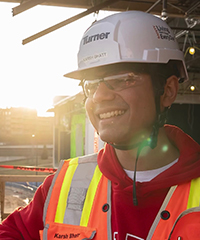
{"x":149,"y":108}
{"x":89,"y":111}
{"x":142,"y":105}
{"x":87,"y":104}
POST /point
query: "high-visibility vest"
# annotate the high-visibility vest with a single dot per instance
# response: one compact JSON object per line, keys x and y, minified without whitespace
{"x":78,"y":202}
{"x":180,"y":201}
{"x":78,"y":205}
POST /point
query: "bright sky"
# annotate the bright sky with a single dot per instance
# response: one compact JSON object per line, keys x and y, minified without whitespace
{"x":32,"y":74}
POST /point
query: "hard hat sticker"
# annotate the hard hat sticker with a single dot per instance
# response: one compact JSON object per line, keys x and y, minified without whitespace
{"x":94,"y":57}
{"x":163,"y":33}
{"x":99,"y":36}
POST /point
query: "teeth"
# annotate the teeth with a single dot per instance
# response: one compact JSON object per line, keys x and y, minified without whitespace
{"x":111,"y":114}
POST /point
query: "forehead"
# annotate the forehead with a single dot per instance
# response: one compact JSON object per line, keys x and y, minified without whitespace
{"x":114,"y":69}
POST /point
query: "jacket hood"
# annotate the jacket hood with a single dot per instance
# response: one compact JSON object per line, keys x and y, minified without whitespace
{"x":186,"y":169}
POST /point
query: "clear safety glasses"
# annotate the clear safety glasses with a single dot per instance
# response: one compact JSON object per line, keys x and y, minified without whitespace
{"x":116,"y":83}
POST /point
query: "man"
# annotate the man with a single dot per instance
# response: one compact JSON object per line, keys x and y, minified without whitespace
{"x":145,"y":183}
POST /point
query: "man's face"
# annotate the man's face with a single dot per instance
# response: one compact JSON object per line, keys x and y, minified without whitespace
{"x":123,"y":117}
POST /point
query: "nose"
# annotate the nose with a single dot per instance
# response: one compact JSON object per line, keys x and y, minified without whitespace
{"x":103,"y":93}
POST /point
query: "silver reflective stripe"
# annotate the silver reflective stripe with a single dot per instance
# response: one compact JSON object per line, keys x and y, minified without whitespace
{"x":157,"y":219}
{"x":78,"y":189}
{"x":91,"y":237}
{"x":76,"y":198}
{"x":190,"y":210}
{"x":45,"y":231}
{"x":88,"y":158}
{"x":50,"y":191}
{"x":109,"y":212}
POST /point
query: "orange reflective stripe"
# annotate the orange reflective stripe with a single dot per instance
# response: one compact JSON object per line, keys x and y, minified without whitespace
{"x":194,"y":196}
{"x":90,"y":197}
{"x":62,"y":202}
{"x":52,"y":205}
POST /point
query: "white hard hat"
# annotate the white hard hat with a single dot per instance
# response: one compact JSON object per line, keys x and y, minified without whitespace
{"x":126,"y":37}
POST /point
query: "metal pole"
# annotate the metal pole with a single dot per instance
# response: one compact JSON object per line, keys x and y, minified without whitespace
{"x":186,"y":29}
{"x":179,"y":34}
{"x":154,"y":5}
{"x":25,"y":6}
{"x":185,"y":41}
{"x":69,"y":20}
{"x":164,"y":10}
{"x":193,"y":8}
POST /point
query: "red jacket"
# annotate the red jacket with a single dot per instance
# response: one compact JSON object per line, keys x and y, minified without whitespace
{"x":127,"y":220}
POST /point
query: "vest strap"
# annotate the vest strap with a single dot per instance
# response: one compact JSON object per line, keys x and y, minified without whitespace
{"x":163,"y":207}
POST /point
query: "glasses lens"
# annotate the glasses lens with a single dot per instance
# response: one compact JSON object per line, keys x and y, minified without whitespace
{"x":89,"y":87}
{"x":120,"y":82}
{"x":116,"y":83}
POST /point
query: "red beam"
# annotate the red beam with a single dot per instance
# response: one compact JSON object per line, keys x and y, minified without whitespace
{"x":28,"y":168}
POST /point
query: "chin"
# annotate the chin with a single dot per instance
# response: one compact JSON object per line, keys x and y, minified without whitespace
{"x":106,"y":137}
{"x":110,"y":138}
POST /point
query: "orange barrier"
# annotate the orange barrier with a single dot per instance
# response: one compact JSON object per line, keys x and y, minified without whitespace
{"x":28,"y":168}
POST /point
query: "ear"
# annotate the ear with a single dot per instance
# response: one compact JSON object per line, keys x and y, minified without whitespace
{"x":170,"y":92}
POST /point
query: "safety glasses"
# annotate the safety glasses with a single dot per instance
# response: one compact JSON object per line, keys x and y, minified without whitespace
{"x":116,"y":83}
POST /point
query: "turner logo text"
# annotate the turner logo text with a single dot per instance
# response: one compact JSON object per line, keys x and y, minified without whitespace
{"x":96,"y":37}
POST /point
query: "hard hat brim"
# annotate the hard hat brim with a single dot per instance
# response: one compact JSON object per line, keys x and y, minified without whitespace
{"x":92,"y":72}
{"x":97,"y":71}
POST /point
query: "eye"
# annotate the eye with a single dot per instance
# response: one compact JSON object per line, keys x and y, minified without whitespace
{"x":117,"y":83}
{"x":130,"y":81}
{"x":90,"y":87}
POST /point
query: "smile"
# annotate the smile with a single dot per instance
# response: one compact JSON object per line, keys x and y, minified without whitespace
{"x":111,"y":114}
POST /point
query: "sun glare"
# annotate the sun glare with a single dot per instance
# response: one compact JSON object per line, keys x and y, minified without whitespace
{"x":32,"y":74}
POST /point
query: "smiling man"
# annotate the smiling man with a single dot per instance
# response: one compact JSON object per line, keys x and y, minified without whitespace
{"x":145,"y":182}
